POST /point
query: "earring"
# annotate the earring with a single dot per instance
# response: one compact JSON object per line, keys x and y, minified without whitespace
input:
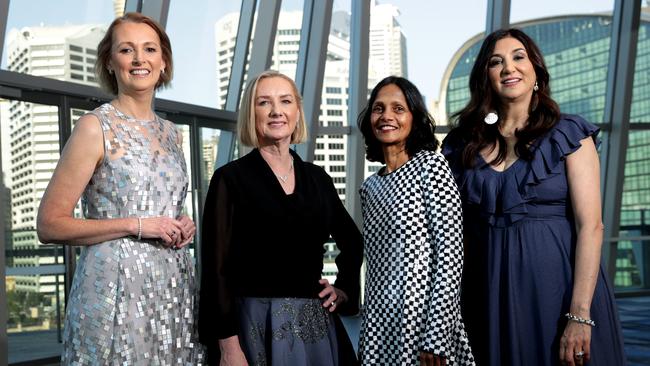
{"x":110,"y":71}
{"x":162,"y":71}
{"x":536,"y":87}
{"x":491,"y":118}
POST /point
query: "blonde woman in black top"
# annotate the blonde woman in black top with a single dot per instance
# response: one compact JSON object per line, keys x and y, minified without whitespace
{"x":267,"y":217}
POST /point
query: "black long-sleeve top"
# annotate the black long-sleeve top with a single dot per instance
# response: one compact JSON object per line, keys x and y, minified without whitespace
{"x":258,"y":241}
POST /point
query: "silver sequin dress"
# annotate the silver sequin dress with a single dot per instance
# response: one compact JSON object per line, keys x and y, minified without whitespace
{"x":132,"y":302}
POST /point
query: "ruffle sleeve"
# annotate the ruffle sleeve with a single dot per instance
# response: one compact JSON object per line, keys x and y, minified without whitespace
{"x":504,"y":197}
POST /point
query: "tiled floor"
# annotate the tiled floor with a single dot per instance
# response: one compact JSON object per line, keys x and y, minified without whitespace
{"x":635,"y":320}
{"x":634,"y":313}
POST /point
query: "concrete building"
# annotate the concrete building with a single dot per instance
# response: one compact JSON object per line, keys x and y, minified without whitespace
{"x":64,"y":53}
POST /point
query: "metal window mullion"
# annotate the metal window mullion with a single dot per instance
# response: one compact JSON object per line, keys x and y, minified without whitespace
{"x":196,"y":157}
{"x":357,"y":99}
{"x":618,"y":101}
{"x":157,"y":10}
{"x":311,"y":66}
{"x":226,"y":147}
{"x":266,"y":27}
{"x":4,"y":347}
{"x":498,"y":15}
{"x":65,"y":130}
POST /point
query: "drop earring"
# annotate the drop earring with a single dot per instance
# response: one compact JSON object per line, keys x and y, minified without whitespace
{"x":491,"y":118}
{"x":536,"y":86}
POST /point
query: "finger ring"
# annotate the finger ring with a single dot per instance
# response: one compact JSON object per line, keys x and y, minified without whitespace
{"x":579,"y":354}
{"x":333,"y":303}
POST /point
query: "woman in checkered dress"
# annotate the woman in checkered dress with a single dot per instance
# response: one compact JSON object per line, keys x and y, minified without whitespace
{"x":412,"y":230}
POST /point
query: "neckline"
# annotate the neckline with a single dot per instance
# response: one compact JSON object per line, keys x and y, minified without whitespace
{"x":126,"y":116}
{"x":489,"y":166}
{"x":379,"y":173}
{"x":270,"y":173}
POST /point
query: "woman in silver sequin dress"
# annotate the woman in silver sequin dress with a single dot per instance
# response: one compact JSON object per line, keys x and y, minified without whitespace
{"x":133,"y":296}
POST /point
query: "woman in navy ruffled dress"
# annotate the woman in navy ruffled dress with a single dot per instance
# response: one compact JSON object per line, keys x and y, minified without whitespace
{"x":534,"y":292}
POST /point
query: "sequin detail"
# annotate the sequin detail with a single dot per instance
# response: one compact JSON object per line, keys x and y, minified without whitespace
{"x":133,"y":302}
{"x":287,"y":331}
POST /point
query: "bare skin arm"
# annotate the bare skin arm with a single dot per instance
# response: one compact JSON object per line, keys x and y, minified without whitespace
{"x":583,"y":173}
{"x":55,"y":224}
{"x":231,"y":352}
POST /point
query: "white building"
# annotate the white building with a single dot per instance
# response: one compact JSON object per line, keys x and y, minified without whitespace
{"x":64,"y":53}
{"x":387,"y":44}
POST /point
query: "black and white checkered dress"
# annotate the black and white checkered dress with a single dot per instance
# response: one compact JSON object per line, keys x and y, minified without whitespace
{"x":412,"y":229}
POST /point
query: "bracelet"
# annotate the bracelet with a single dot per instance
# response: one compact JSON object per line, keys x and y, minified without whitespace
{"x":580,"y":320}
{"x":139,"y":228}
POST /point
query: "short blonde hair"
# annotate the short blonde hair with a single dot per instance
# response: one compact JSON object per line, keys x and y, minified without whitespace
{"x":246,"y":117}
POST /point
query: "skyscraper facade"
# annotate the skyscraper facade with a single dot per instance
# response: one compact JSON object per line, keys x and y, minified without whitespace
{"x":64,"y":53}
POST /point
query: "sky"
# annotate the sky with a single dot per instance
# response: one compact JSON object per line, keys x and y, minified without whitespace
{"x":434,"y":30}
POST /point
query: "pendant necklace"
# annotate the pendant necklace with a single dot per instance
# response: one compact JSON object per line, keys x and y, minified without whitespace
{"x":284,"y":178}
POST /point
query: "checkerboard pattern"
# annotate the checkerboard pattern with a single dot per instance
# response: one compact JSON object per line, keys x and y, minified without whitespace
{"x":412,"y":226}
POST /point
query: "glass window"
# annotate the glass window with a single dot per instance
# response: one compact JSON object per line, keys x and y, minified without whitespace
{"x":34,"y":272}
{"x":287,"y":38}
{"x":203,"y":43}
{"x":640,"y":111}
{"x":209,"y":140}
{"x":575,"y":48}
{"x":188,"y":208}
{"x":633,"y":256}
{"x":335,"y":86}
{"x":401,"y":44}
{"x":43,"y":40}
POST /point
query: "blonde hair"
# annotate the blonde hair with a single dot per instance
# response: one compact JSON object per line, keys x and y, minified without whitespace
{"x":246,"y":117}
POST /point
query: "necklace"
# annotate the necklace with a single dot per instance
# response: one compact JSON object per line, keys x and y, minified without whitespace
{"x":284,"y":178}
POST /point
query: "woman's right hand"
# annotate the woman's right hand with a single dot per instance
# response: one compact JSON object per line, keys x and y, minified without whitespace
{"x":166,"y":229}
{"x":231,"y":352}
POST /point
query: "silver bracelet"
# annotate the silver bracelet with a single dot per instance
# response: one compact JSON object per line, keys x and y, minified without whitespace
{"x":139,"y":228}
{"x":580,"y":320}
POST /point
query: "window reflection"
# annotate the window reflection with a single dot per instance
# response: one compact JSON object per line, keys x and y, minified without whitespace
{"x":203,"y":50}
{"x":34,"y":273}
{"x":640,"y":111}
{"x":57,"y":42}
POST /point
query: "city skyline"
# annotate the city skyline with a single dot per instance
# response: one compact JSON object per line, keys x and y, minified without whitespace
{"x":426,"y":27}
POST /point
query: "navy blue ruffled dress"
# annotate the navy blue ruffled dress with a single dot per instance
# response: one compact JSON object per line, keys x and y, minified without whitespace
{"x":520,"y":256}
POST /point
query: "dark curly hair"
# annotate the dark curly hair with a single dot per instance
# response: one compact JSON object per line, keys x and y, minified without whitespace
{"x":476,"y":135}
{"x":422,"y":136}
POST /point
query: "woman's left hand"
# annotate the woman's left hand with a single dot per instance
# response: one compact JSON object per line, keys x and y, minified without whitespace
{"x":331,"y":295}
{"x":430,"y":359}
{"x":575,"y":343}
{"x":188,"y":231}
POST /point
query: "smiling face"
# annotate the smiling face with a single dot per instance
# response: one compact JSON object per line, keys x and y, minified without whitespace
{"x":511,"y":73}
{"x":391,"y":119}
{"x":276,"y":110}
{"x":136,"y":57}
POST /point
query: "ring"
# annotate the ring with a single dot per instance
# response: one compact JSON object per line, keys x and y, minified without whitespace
{"x":579,"y":354}
{"x":333,"y":303}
